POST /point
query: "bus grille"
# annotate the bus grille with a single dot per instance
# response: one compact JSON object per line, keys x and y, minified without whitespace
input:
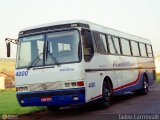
{"x":45,"y":86}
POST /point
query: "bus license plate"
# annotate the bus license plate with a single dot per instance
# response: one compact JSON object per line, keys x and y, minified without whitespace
{"x":46,"y":99}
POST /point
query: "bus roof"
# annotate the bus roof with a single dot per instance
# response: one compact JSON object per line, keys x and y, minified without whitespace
{"x":93,"y":26}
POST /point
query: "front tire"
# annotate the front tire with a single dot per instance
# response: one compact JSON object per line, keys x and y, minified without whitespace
{"x":106,"y":95}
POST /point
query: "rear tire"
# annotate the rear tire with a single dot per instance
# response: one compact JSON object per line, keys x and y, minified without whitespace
{"x":144,"y":89}
{"x":53,"y":108}
{"x":106,"y":95}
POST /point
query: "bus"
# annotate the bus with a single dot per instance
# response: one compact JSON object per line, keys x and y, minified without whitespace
{"x":75,"y":62}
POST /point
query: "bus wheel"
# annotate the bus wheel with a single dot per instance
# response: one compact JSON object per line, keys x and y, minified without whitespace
{"x":53,"y":108}
{"x":106,"y":95}
{"x":144,"y":89}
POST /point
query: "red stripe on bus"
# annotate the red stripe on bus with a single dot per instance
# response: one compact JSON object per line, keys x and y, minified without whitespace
{"x":97,"y":97}
{"x":129,"y":84}
{"x":123,"y":86}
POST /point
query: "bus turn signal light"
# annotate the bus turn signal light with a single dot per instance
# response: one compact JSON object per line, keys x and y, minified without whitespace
{"x":80,"y":83}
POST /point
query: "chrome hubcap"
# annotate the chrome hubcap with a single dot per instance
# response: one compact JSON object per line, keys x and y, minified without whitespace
{"x":107,"y":94}
{"x":145,"y":85}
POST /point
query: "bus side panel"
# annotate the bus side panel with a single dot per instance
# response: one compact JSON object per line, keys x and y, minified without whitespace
{"x":93,"y":86}
{"x":131,"y":81}
{"x":137,"y":84}
{"x":151,"y":76}
{"x":94,"y":83}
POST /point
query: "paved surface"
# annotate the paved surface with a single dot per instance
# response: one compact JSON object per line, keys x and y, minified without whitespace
{"x":121,"y":108}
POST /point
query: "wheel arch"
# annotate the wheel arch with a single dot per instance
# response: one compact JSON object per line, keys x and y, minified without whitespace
{"x":108,"y":80}
{"x":145,"y":75}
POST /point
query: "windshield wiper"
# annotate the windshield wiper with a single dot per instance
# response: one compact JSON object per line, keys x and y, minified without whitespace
{"x":51,"y":55}
{"x":36,"y":60}
{"x":54,"y":59}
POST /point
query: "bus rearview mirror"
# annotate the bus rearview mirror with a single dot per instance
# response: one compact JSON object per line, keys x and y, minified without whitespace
{"x":8,"y":44}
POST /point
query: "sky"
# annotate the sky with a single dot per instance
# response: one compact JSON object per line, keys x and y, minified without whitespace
{"x":138,"y":17}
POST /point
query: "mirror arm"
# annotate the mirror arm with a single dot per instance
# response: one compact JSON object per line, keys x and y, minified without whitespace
{"x":14,"y":41}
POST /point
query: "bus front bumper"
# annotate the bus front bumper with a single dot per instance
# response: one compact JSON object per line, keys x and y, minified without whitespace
{"x":63,"y":97}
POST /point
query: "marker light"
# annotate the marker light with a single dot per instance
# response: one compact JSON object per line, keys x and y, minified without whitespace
{"x":75,"y":98}
{"x":22,"y":101}
{"x":80,"y":83}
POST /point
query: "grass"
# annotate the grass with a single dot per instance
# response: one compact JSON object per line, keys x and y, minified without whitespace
{"x":9,"y":104}
{"x":158,"y":78}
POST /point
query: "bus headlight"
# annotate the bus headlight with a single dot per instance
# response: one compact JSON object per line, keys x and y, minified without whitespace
{"x":22,"y":88}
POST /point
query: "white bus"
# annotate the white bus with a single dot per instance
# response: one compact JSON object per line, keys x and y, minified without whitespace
{"x":75,"y":62}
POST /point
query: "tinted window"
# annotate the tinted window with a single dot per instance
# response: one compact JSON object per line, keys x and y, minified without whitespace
{"x":111,"y":44}
{"x":116,"y":44}
{"x":125,"y":47}
{"x":143,"y":50}
{"x":149,"y":50}
{"x":87,"y":45}
{"x":135,"y":48}
{"x":100,"y":42}
{"x":103,"y":37}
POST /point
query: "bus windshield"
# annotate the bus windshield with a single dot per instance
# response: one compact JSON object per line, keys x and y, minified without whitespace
{"x":49,"y":49}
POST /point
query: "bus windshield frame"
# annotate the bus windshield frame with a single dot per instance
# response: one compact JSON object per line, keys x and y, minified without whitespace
{"x":49,"y":48}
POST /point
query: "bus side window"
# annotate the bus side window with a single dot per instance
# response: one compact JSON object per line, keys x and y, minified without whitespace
{"x":116,"y":44}
{"x":135,"y":49}
{"x":87,"y":45}
{"x":112,"y":47}
{"x":143,"y":50}
{"x":126,"y":49}
{"x":149,"y":51}
{"x":101,"y":42}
